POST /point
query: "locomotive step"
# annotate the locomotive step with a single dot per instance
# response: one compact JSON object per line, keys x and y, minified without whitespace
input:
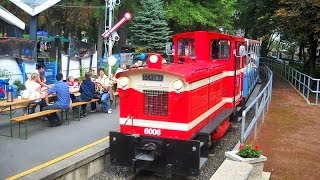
{"x":212,"y":126}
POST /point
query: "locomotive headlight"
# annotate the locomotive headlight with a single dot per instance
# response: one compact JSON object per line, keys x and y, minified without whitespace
{"x":123,"y":82}
{"x":153,"y":59}
{"x":177,"y":85}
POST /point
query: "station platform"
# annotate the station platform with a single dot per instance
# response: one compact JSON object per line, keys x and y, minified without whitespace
{"x":48,"y":143}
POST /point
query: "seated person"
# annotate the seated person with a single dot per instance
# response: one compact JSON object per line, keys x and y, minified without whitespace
{"x":61,"y":89}
{"x":44,"y":89}
{"x":43,"y":80}
{"x":40,"y":72}
{"x":102,"y":87}
{"x":87,"y":90}
{"x":73,"y":87}
{"x":33,"y":92}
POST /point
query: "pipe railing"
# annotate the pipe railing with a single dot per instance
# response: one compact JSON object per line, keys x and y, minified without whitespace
{"x":308,"y":87}
{"x":259,"y":105}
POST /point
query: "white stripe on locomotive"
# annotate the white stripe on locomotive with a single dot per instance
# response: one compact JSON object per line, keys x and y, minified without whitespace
{"x":174,"y":125}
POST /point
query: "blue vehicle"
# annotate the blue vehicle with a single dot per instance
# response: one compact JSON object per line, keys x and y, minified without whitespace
{"x":251,"y":69}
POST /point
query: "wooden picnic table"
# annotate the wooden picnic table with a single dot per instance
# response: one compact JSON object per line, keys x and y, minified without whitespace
{"x":9,"y":106}
{"x":15,"y":104}
{"x":5,"y":104}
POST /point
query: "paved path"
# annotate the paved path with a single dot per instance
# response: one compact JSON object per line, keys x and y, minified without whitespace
{"x":290,"y":136}
{"x":44,"y":143}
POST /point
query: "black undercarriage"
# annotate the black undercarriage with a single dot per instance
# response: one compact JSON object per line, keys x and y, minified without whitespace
{"x":164,"y":156}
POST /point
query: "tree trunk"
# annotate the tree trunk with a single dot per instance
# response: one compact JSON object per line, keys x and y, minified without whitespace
{"x":264,"y":49}
{"x":301,"y":47}
{"x":313,"y":55}
{"x":100,"y":41}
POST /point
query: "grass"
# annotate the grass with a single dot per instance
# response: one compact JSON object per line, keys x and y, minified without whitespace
{"x":25,"y":36}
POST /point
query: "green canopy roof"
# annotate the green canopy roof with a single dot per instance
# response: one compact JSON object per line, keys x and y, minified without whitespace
{"x":52,"y":39}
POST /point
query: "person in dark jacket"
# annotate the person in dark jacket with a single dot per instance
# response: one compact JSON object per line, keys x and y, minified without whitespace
{"x":87,"y":89}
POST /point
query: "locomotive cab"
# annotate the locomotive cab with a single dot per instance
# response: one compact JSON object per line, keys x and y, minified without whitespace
{"x":170,"y":112}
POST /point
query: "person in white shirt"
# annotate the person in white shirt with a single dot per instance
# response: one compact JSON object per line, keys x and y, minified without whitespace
{"x":33,"y":91}
{"x":102,"y":86}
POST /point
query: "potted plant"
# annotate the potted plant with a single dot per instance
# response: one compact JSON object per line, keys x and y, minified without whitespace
{"x":249,"y":154}
{"x":20,"y":87}
{"x":5,"y":77}
{"x":5,"y":74}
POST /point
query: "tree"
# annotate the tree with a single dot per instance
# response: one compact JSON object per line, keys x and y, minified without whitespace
{"x":150,"y":29}
{"x":190,"y":15}
{"x":301,"y":19}
{"x":254,"y":17}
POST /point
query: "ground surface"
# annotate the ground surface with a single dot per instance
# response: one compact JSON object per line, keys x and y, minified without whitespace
{"x":45,"y":143}
{"x":290,"y":136}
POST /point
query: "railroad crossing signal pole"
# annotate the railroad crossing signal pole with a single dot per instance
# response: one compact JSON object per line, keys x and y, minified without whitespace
{"x":111,"y":34}
{"x":109,"y":4}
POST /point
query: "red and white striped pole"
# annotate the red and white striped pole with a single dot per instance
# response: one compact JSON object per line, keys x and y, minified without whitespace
{"x":127,"y":17}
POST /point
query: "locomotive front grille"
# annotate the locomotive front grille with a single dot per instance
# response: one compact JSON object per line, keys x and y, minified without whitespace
{"x":155,"y":102}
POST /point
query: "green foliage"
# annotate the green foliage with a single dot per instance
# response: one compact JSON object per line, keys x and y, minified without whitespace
{"x":190,"y":15}
{"x":26,"y":36}
{"x":248,"y":151}
{"x":254,"y":17}
{"x":83,"y":71}
{"x":150,"y":29}
{"x":4,"y":73}
{"x":299,"y":21}
{"x":19,"y":84}
{"x":298,"y":18}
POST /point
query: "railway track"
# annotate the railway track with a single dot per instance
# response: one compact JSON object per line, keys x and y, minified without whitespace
{"x":216,"y":157}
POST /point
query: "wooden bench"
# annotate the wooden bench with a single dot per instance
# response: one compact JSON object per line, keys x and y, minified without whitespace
{"x":5,"y":109}
{"x":15,"y":107}
{"x":26,"y":118}
{"x":79,"y":104}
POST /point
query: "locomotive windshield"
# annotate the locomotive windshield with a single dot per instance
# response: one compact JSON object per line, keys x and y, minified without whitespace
{"x":186,"y":48}
{"x":220,"y":49}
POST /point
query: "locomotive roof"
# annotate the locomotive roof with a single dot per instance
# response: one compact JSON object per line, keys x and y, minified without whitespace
{"x":190,"y":72}
{"x":192,"y":34}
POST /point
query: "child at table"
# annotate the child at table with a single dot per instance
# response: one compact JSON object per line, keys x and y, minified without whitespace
{"x":73,"y":87}
{"x":43,"y":80}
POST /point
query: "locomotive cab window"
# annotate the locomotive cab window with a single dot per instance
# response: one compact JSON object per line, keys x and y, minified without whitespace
{"x":220,"y":49}
{"x":186,"y":48}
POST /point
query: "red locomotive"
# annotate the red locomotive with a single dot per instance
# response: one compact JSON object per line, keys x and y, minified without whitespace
{"x":170,"y":112}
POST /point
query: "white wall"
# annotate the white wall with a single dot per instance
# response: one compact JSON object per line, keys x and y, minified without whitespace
{"x":74,"y":66}
{"x":12,"y":66}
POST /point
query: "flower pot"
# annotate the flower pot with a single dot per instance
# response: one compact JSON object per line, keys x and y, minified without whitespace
{"x":257,"y":163}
